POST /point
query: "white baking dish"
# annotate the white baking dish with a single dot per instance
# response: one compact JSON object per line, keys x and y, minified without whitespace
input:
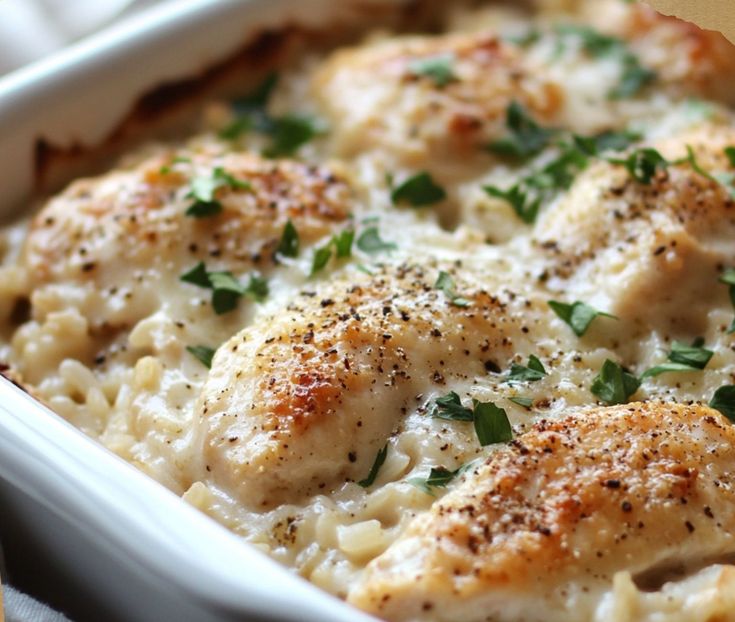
{"x":111,"y":534}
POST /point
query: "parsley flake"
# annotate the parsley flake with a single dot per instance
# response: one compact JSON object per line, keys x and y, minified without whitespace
{"x":419,"y":190}
{"x":226,"y":289}
{"x":342,"y":244}
{"x":682,"y":358}
{"x":728,"y":278}
{"x":526,"y":139}
{"x":724,"y":401}
{"x":289,"y":244}
{"x":614,"y":385}
{"x":445,"y":283}
{"x":449,"y":407}
{"x":531,"y":373}
{"x":634,"y":78}
{"x":379,"y":460}
{"x":525,"y":402}
{"x":371,"y":242}
{"x":439,"y":477}
{"x":288,"y":133}
{"x":437,"y":68}
{"x":250,"y":110}
{"x":204,"y":188}
{"x":643,"y":164}
{"x":491,"y":424}
{"x":203,"y":354}
{"x":577,"y":315}
{"x":606,"y":141}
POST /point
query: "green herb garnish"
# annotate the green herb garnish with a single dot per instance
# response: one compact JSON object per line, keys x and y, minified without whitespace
{"x":419,"y":190}
{"x":288,"y":133}
{"x":445,"y":283}
{"x":606,"y":141}
{"x":682,"y":358}
{"x":634,"y":78}
{"x":491,"y":423}
{"x":437,"y":68}
{"x":577,"y":315}
{"x":728,"y":278}
{"x":371,"y":242}
{"x":226,"y":289}
{"x":439,"y":477}
{"x":531,"y":373}
{"x":724,"y":401}
{"x":289,"y":244}
{"x":203,"y":354}
{"x":614,"y":385}
{"x":525,"y":402}
{"x":450,"y":407}
{"x":204,"y":188}
{"x":379,"y":460}
{"x":251,"y":113}
{"x":526,"y":139}
{"x":643,"y":164}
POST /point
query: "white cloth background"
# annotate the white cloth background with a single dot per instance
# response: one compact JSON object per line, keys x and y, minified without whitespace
{"x":31,"y":29}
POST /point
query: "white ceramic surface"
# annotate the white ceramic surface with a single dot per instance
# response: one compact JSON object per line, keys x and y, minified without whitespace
{"x":131,"y":547}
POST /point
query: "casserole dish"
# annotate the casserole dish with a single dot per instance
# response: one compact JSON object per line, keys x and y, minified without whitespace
{"x":114,"y":544}
{"x":201,"y":309}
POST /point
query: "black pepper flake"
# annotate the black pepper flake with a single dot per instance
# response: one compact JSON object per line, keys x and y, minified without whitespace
{"x":492,"y":366}
{"x":689,"y":526}
{"x":612,"y":483}
{"x":626,"y":506}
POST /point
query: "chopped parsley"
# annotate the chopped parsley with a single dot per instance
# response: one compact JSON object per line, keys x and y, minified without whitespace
{"x":288,"y":133}
{"x":203,"y":354}
{"x":724,"y":401}
{"x":491,"y":422}
{"x":577,"y":315}
{"x":379,"y":460}
{"x":370,"y":242}
{"x":450,"y":407}
{"x":419,"y":190}
{"x":606,"y":141}
{"x":524,"y":203}
{"x":614,"y":385}
{"x":526,"y":196}
{"x":525,"y":402}
{"x":728,"y":278}
{"x":439,"y":477}
{"x":730,"y":155}
{"x":634,"y":76}
{"x":226,"y":289}
{"x":531,"y":373}
{"x":289,"y":244}
{"x":445,"y":283}
{"x":682,"y":358}
{"x":251,"y":110}
{"x":204,"y":188}
{"x":643,"y":164}
{"x":342,"y":244}
{"x":526,"y":139}
{"x":437,"y":68}
{"x":524,"y":39}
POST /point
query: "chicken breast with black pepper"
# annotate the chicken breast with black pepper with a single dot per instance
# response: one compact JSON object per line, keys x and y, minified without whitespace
{"x":116,"y":246}
{"x":302,"y":401}
{"x":649,"y":250}
{"x":544,"y":527}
